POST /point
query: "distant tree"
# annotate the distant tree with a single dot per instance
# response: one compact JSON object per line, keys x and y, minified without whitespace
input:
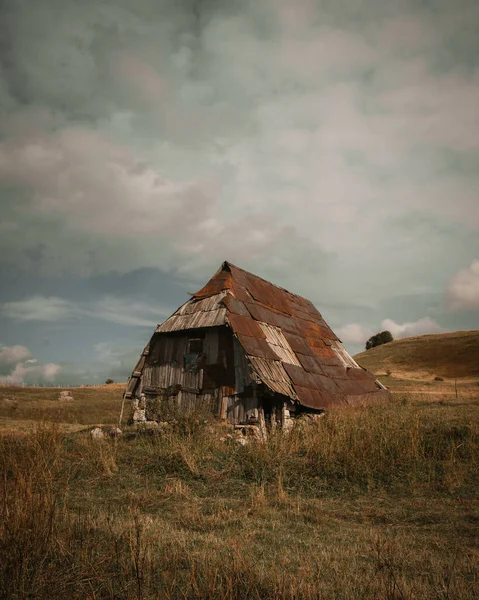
{"x":108,"y":381}
{"x":380,"y":338}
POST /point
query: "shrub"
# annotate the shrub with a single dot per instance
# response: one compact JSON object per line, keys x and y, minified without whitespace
{"x":383,"y":337}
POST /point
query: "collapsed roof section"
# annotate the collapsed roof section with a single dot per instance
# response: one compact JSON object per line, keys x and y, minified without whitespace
{"x":289,"y":346}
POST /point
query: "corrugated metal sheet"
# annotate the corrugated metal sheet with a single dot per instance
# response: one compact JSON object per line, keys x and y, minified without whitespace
{"x":279,"y":344}
{"x":343,"y":355}
{"x":273,"y":372}
{"x":194,"y":305}
{"x":210,"y":318}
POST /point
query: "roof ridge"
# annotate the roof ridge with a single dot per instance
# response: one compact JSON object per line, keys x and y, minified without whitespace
{"x":229,"y":264}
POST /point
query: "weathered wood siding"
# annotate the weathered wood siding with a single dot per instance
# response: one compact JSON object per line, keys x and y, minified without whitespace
{"x":223,"y":384}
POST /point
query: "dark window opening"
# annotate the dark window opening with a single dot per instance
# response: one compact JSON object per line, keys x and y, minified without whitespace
{"x":194,"y":356}
{"x":195,"y":346}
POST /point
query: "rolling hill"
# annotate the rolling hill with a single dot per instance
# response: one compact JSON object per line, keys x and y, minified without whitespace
{"x":448,"y":355}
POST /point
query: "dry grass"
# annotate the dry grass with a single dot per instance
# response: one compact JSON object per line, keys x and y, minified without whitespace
{"x":448,"y":355}
{"x":373,"y":503}
{"x":26,"y":406}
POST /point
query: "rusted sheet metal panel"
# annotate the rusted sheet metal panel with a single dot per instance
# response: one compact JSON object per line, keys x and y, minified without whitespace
{"x":327,"y":333}
{"x":222,"y":280}
{"x":297,"y":343}
{"x":279,"y":344}
{"x":211,"y":318}
{"x":261,"y":313}
{"x":306,"y":316}
{"x":240,"y":293}
{"x":273,"y":374}
{"x":312,"y":364}
{"x":261,"y":290}
{"x":287,"y":324}
{"x":359,"y":374}
{"x":316,"y":342}
{"x":350,"y":386}
{"x":311,"y":380}
{"x":309,"y":328}
{"x":239,"y":276}
{"x":322,"y":352}
{"x":246,"y":326}
{"x":335,"y":371}
{"x":267,"y":294}
{"x":317,"y":399}
{"x":257,"y":347}
{"x":266,"y":315}
{"x":235,"y":306}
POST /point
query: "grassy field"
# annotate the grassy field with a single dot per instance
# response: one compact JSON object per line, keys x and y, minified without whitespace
{"x":23,"y":407}
{"x":447,"y":355}
{"x":379,"y":502}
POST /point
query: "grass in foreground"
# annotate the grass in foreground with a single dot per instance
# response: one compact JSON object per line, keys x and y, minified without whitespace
{"x":369,"y":503}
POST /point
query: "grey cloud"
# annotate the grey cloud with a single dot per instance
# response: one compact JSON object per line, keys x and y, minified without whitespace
{"x":419,"y":327}
{"x":105,"y":308}
{"x":17,"y":367}
{"x":355,"y":335}
{"x":462,"y":292}
{"x":14,"y":354}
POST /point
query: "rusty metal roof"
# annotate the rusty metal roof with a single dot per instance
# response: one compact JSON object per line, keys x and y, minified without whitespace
{"x":289,"y":346}
{"x":293,"y":352}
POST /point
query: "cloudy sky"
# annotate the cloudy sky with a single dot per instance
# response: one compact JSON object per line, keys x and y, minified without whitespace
{"x":330,"y":146}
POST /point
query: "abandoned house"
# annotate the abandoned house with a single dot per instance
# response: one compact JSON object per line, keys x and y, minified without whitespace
{"x":250,"y":352}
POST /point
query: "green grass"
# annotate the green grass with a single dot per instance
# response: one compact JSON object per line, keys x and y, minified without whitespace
{"x":379,"y":502}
